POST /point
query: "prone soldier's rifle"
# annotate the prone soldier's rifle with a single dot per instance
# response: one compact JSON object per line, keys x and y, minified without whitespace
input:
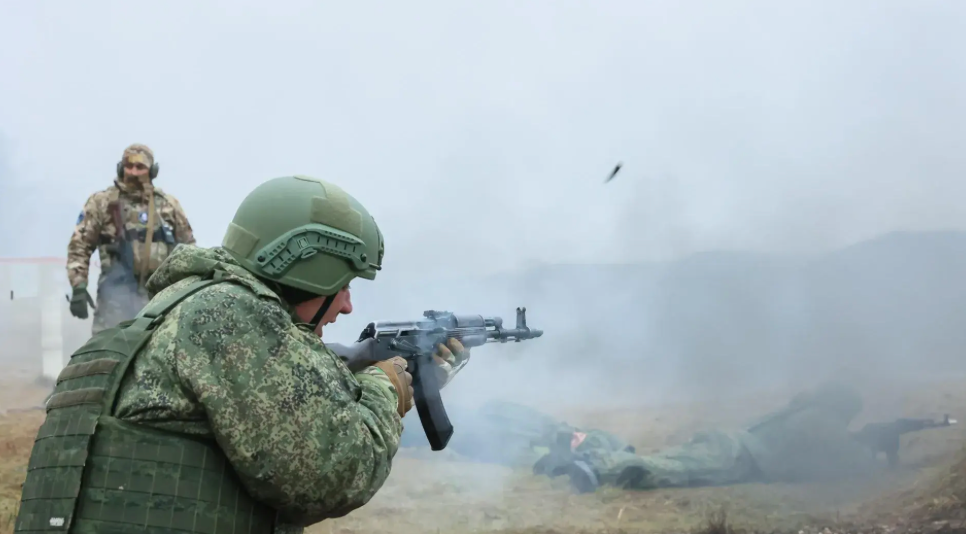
{"x":884,"y":437}
{"x":416,"y":341}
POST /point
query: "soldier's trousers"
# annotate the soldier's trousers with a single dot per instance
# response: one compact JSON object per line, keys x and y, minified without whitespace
{"x":709,"y":459}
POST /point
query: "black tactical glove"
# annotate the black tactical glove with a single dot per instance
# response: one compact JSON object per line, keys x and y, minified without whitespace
{"x":79,"y":301}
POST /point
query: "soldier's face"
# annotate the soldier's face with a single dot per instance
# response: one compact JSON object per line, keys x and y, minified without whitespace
{"x":342,"y":304}
{"x":135,"y":169}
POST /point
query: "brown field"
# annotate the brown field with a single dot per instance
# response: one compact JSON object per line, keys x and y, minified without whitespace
{"x":436,"y":492}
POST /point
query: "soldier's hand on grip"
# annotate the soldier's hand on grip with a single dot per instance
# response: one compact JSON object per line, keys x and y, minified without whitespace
{"x":450,"y":359}
{"x":79,"y":300}
{"x":401,"y":380}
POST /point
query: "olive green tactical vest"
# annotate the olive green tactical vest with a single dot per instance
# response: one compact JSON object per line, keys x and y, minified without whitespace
{"x":91,"y":472}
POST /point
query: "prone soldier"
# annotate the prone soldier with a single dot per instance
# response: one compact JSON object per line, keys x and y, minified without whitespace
{"x":808,"y":440}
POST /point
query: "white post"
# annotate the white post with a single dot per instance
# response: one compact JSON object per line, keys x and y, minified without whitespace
{"x":51,"y":316}
{"x":5,"y":284}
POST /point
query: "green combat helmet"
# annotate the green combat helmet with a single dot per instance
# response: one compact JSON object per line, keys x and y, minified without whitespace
{"x":305,"y":233}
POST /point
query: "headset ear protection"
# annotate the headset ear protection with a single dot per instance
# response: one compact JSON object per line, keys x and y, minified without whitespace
{"x":152,"y":172}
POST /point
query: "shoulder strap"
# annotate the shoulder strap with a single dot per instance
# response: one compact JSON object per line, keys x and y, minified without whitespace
{"x":139,"y":331}
{"x":157,"y":309}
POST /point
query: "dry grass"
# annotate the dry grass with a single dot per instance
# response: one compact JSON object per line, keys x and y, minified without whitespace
{"x":17,"y":433}
{"x":947,"y":496}
{"x":18,"y":427}
{"x":430,"y":492}
{"x":936,"y":495}
{"x":423,"y":496}
{"x":449,"y":496}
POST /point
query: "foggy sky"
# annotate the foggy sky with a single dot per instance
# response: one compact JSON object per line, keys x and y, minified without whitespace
{"x":776,"y":126}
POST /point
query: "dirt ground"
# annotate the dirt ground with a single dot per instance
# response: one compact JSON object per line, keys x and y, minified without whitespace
{"x":439,"y":492}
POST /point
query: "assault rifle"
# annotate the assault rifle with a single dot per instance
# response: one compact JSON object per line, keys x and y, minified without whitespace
{"x":416,"y":341}
{"x":884,"y":437}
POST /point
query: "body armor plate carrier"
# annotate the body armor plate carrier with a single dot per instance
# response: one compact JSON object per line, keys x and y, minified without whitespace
{"x":91,"y":472}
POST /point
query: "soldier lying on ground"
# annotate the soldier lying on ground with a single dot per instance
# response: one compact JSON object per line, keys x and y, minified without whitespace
{"x":808,"y":440}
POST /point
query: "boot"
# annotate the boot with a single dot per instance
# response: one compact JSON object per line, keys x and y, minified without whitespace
{"x":582,"y":477}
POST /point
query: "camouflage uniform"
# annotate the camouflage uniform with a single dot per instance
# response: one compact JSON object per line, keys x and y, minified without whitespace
{"x":807,"y":440}
{"x":216,"y":409}
{"x":230,"y":365}
{"x":95,"y":229}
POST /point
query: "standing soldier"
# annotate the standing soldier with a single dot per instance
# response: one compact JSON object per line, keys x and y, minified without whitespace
{"x":219,"y":409}
{"x":115,"y":221}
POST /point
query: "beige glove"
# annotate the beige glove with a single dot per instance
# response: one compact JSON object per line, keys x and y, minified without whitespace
{"x":401,"y":380}
{"x":450,"y":359}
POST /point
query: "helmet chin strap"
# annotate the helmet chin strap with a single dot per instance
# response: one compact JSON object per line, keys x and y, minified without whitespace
{"x":314,"y":324}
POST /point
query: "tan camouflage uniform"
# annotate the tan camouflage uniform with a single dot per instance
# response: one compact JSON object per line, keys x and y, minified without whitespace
{"x":95,"y":229}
